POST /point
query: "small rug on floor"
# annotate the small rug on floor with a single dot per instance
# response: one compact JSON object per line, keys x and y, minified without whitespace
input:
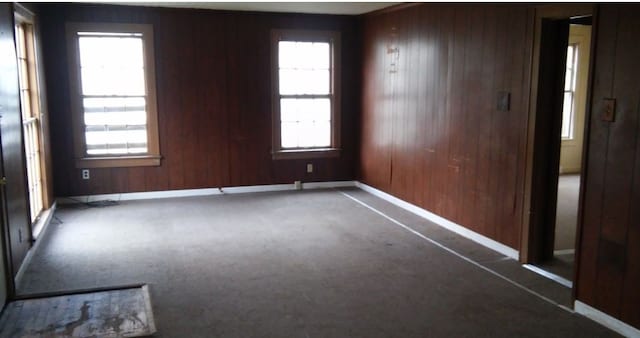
{"x":113,"y":313}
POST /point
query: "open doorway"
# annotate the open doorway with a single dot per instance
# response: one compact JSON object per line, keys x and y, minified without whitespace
{"x":557,"y":123}
{"x":571,"y":149}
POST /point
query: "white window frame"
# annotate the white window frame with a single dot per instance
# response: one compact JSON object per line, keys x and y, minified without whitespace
{"x":573,"y":87}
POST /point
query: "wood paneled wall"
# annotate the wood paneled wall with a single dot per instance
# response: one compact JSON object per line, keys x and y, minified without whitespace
{"x":609,"y":262}
{"x":431,"y":131}
{"x":214,"y":99}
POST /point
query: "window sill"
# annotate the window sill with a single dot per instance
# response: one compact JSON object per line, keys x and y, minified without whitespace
{"x":118,"y":162}
{"x":306,"y":153}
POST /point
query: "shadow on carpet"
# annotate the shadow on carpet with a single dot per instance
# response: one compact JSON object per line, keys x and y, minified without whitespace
{"x":123,"y":312}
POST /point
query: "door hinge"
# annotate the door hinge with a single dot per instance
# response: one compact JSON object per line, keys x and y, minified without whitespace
{"x":3,"y":181}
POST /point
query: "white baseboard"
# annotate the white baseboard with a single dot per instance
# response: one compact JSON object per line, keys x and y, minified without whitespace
{"x":474,"y":236}
{"x":327,"y":185}
{"x":45,"y":220}
{"x":201,"y":192}
{"x":443,"y":222}
{"x":606,"y":320}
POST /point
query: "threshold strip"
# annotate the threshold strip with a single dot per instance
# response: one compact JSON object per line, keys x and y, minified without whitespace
{"x":455,"y":253}
{"x":558,"y":279}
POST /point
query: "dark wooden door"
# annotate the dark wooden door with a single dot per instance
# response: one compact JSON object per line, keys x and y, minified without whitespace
{"x":13,"y":161}
{"x":546,"y":158}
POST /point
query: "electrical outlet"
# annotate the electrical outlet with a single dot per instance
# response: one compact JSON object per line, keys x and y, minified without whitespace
{"x":309,"y":167}
{"x":85,"y":174}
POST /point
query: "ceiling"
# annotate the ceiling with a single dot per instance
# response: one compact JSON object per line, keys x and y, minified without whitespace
{"x":347,"y":8}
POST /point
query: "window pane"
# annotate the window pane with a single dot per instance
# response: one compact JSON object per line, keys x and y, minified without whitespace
{"x":306,"y":123}
{"x":321,"y":56}
{"x":290,"y":80}
{"x":304,"y":55}
{"x":322,"y":134}
{"x":567,"y":115}
{"x":289,"y":110}
{"x":314,"y":55}
{"x":112,"y":81}
{"x":117,"y":142}
{"x":574,"y":68}
{"x":318,"y":82}
{"x":289,"y":134}
{"x":288,"y":55}
{"x":112,"y":65}
{"x":570,"y":87}
{"x":570,"y":74}
{"x":304,"y":67}
{"x":568,"y":80}
{"x":314,"y":134}
{"x":110,"y":51}
{"x":315,"y":110}
{"x":115,"y":126}
{"x":299,"y":82}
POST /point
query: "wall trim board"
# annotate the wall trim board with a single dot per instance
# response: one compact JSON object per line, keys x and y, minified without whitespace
{"x":606,"y":320}
{"x":443,"y":222}
{"x":43,"y":223}
{"x":202,"y":192}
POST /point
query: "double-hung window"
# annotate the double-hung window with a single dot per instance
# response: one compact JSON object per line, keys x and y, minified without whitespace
{"x":30,"y":106}
{"x":306,"y":93}
{"x":568,"y":108}
{"x":113,"y":97}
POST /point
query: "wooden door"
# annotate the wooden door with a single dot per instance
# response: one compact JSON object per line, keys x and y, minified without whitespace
{"x":546,"y":160}
{"x":18,"y":234}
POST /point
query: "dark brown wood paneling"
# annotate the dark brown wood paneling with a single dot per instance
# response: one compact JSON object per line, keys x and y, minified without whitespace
{"x":214,"y":102}
{"x":13,"y":161}
{"x":608,"y":272}
{"x":431,"y":132}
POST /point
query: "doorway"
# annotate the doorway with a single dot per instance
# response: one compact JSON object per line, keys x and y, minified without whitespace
{"x":557,"y":122}
{"x":571,"y":149}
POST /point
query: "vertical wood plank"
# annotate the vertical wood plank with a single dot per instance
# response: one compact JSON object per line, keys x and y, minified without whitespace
{"x":604,"y":53}
{"x":452,"y":153}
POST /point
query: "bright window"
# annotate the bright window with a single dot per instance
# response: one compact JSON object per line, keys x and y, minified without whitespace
{"x":306,"y":111}
{"x":568,"y":106}
{"x":116,"y":119}
{"x":30,"y":108}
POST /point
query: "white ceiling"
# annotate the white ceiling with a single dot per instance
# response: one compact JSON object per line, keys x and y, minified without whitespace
{"x":349,"y":8}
